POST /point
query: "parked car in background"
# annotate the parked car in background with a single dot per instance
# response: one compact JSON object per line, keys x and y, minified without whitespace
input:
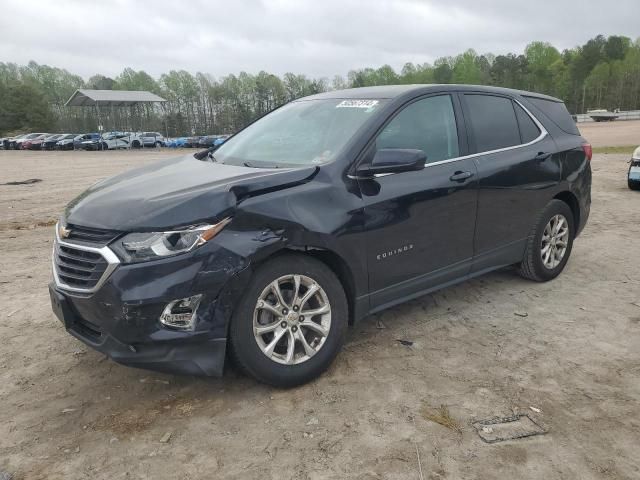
{"x":17,"y":144}
{"x":49,"y":143}
{"x":109,"y":141}
{"x":148,"y":139}
{"x":36,"y":143}
{"x":33,"y":143}
{"x":220,"y":140}
{"x":67,"y":143}
{"x":206,"y":141}
{"x":176,"y":142}
{"x":9,"y":143}
{"x":193,"y":142}
{"x":77,"y":141}
{"x":633,"y":176}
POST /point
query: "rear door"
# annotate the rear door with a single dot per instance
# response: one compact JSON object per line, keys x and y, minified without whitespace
{"x":420,"y":224}
{"x":517,"y":170}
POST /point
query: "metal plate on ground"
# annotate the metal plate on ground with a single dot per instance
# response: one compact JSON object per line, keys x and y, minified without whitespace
{"x":509,"y":428}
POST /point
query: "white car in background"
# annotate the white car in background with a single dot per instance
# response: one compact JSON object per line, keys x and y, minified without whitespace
{"x":147,"y":139}
{"x":110,"y":141}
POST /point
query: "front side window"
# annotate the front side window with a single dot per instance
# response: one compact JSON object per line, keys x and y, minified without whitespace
{"x":428,"y":125}
{"x":493,"y":121}
{"x":305,"y":132}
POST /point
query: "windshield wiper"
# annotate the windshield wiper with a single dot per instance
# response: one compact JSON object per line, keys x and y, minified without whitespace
{"x":250,"y":165}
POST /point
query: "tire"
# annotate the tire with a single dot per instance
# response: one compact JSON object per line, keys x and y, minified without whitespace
{"x":533,"y":267}
{"x":158,"y":144}
{"x":135,"y":144}
{"x":104,"y":146}
{"x":633,"y":185}
{"x":280,"y":368}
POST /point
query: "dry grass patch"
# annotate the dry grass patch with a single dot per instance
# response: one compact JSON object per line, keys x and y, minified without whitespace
{"x":442,"y":417}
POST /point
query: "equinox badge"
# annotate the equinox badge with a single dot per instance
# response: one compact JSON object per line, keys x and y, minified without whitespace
{"x":396,"y":251}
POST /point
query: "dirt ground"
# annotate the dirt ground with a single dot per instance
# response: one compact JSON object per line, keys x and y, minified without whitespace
{"x":567,"y":353}
{"x":610,"y":134}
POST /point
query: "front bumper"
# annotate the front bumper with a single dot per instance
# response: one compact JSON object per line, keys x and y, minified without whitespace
{"x":184,"y":353}
{"x":121,"y":318}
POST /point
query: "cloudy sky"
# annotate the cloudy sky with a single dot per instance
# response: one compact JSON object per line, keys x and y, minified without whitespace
{"x":318,"y":38}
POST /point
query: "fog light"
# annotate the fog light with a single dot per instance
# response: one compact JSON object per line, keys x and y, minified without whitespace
{"x":181,"y":313}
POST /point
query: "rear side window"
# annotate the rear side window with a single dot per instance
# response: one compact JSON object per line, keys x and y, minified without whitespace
{"x":428,"y":125}
{"x":557,"y":112}
{"x":493,"y":122}
{"x":529,"y":131}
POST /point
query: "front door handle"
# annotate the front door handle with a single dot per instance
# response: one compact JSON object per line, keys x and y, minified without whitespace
{"x":460,"y":176}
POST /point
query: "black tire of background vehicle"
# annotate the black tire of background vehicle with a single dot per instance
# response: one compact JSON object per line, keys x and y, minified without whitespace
{"x":633,"y":185}
{"x":243,"y":347}
{"x":158,"y":144}
{"x":532,"y":266}
{"x":136,"y":144}
{"x":104,"y":146}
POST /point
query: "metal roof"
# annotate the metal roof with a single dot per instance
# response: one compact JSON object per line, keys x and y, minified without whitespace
{"x":116,"y":98}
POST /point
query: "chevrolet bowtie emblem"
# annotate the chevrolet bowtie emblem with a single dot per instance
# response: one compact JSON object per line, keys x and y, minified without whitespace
{"x":63,"y":231}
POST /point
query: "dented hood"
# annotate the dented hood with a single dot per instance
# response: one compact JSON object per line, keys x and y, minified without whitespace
{"x":176,"y":192}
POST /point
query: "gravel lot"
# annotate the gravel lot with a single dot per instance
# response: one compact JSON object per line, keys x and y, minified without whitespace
{"x":567,"y":353}
{"x":607,"y":134}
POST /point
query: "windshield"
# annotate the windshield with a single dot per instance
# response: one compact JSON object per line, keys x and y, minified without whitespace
{"x":300,"y":133}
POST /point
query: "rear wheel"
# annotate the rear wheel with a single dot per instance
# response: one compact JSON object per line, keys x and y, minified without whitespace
{"x":136,"y":144}
{"x":158,"y":144}
{"x":633,"y":185}
{"x":549,"y":245}
{"x":290,"y":323}
{"x":104,"y":146}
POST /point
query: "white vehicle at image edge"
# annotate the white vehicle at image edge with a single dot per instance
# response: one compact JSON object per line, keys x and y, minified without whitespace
{"x":633,"y":176}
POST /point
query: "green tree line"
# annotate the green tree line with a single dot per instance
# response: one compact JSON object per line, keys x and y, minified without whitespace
{"x":602,"y":73}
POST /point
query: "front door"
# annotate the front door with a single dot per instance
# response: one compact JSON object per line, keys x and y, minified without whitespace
{"x":420,"y":224}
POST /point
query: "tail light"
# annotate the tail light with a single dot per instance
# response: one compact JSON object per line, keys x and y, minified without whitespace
{"x":588,"y":150}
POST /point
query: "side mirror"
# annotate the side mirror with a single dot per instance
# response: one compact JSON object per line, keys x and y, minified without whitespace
{"x":393,"y":160}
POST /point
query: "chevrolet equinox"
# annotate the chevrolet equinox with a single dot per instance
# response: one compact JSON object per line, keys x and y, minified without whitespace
{"x":328,"y":209}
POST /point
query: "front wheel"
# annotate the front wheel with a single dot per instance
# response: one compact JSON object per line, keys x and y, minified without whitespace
{"x":290,"y":323}
{"x":549,"y":245}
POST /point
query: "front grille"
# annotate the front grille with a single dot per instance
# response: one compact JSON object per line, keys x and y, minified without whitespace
{"x":78,"y":268}
{"x":91,"y":235}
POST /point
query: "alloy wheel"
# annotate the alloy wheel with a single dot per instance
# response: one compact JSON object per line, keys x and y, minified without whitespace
{"x":555,"y":239}
{"x":292,"y":319}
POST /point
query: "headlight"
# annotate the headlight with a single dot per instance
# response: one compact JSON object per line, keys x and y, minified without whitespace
{"x":140,"y":247}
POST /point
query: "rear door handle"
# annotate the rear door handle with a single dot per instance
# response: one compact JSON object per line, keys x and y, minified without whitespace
{"x":460,"y":176}
{"x":541,"y":156}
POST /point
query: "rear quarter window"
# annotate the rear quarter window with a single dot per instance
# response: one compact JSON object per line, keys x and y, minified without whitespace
{"x":493,"y":121}
{"x":529,"y":131}
{"x":557,"y":113}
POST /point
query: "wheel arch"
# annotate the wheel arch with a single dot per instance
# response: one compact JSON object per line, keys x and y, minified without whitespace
{"x":572,"y":201}
{"x":333,"y":261}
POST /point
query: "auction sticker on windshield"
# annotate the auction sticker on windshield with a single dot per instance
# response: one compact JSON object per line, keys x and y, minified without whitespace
{"x":357,"y":104}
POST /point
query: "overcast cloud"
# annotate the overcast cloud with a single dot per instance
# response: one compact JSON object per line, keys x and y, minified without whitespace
{"x":317,"y":38}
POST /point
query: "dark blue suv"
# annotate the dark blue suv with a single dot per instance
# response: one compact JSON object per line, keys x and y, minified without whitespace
{"x":326,"y":210}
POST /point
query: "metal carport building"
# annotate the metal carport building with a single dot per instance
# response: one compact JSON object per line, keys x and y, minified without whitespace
{"x":107,"y":99}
